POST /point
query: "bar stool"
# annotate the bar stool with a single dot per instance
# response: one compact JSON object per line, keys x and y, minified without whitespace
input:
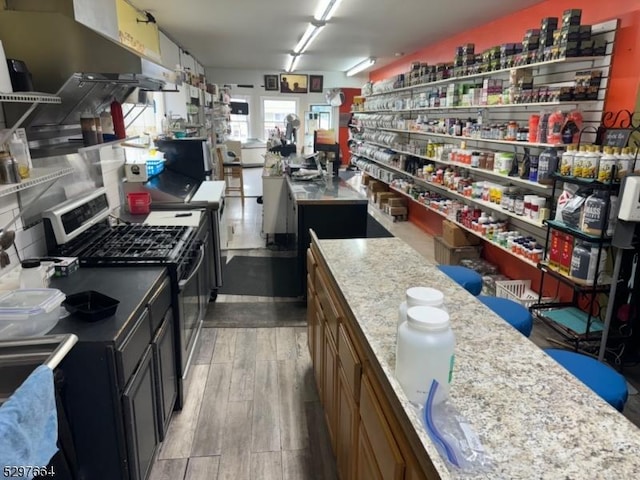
{"x":232,"y":169}
{"x":511,"y":312}
{"x":601,"y":378}
{"x":469,"y":279}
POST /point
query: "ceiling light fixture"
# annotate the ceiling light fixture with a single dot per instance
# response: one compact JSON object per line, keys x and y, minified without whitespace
{"x":309,"y":36}
{"x":326,"y":9}
{"x":361,"y":66}
{"x":292,"y":63}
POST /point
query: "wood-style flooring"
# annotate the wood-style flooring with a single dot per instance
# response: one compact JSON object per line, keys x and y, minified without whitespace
{"x":252,"y":412}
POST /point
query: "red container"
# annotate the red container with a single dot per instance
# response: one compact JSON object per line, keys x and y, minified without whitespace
{"x":139,"y":202}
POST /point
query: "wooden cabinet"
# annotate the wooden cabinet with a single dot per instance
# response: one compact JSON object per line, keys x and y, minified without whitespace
{"x":366,"y":438}
{"x":164,"y":358}
{"x":141,"y":415}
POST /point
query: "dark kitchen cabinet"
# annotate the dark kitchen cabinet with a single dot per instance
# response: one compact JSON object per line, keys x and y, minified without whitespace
{"x":141,"y":415}
{"x":164,"y":357}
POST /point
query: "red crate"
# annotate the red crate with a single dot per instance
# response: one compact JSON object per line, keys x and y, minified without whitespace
{"x":139,"y":202}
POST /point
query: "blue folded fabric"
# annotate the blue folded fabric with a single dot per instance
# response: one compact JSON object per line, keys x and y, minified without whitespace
{"x":29,"y":422}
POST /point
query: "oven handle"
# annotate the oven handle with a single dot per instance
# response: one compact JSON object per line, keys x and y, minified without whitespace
{"x":196,"y":269}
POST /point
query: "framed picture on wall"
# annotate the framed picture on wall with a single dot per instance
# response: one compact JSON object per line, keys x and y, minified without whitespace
{"x":271,"y":83}
{"x":315,"y":83}
{"x":292,"y":83}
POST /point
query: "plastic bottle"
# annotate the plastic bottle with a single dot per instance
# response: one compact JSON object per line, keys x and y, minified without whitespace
{"x":88,"y":126}
{"x":566,"y":163}
{"x":20,"y":153}
{"x":106,"y":122}
{"x":606,"y":165}
{"x":624,"y":163}
{"x":420,"y":296}
{"x":98,"y":124}
{"x":591,"y":162}
{"x":578,"y":161}
{"x":31,"y":275}
{"x":425,"y":352}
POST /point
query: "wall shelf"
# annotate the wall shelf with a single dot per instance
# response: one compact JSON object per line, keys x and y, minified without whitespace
{"x":29,"y":98}
{"x":562,"y":227}
{"x":488,"y":74}
{"x":452,"y":194}
{"x":476,"y":107}
{"x":38,"y":177}
{"x":487,"y":173}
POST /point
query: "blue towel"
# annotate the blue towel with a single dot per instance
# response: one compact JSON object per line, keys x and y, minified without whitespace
{"x":29,"y":422}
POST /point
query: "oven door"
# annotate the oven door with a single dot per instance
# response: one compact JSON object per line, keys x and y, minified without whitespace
{"x":193,"y":297}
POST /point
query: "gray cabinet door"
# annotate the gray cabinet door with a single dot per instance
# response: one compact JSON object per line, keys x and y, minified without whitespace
{"x":141,"y":418}
{"x":164,"y":356}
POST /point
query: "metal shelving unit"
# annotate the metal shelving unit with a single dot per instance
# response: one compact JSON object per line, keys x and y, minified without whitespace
{"x":38,"y":177}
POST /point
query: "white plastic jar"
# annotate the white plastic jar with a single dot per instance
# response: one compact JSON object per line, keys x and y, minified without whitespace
{"x":420,"y":296}
{"x":425,"y":352}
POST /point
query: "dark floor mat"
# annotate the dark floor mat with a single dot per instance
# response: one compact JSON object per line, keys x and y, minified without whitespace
{"x":256,"y":315}
{"x":375,"y":229}
{"x":260,"y":276}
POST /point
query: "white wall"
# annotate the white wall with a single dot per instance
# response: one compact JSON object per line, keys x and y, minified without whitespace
{"x":222,"y":76}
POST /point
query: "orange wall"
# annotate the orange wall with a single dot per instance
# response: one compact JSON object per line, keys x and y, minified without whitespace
{"x":625,"y":69}
{"x":343,"y":132}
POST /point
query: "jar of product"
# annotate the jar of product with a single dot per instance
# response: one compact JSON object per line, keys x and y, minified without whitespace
{"x":32,"y":275}
{"x":590,"y":163}
{"x":606,"y":165}
{"x":522,"y":135}
{"x":511,"y":202}
{"x":533,"y":211}
{"x":580,"y":261}
{"x":8,"y":169}
{"x":534,"y":121}
{"x":504,"y":163}
{"x":527,"y":205}
{"x":512,"y":130}
{"x":20,"y":152}
{"x":578,"y":161}
{"x":594,"y":214}
{"x":475,"y":159}
{"x":537,"y":205}
{"x":98,"y":123}
{"x":519,"y":205}
{"x":624,"y":165}
{"x":482,"y":161}
{"x":420,"y":296}
{"x":566,"y":162}
{"x":490,"y":160}
{"x":88,"y":127}
{"x":547,"y":164}
{"x":424,"y":353}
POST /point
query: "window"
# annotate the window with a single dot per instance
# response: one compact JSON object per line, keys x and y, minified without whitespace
{"x":275,"y":113}
{"x":239,"y":124}
{"x":324,"y":116}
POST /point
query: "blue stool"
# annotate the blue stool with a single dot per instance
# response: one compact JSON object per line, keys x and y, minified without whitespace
{"x":511,"y":312}
{"x":470,"y":280}
{"x":601,"y":378}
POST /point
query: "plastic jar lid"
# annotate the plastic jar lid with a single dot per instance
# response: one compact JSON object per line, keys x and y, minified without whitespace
{"x":30,"y":264}
{"x":428,"y":318}
{"x":424,"y":296}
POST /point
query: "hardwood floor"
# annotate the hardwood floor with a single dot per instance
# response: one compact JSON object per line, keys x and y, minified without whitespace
{"x":252,"y":412}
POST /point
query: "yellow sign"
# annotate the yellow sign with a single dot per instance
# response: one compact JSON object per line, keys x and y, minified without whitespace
{"x":139,"y":36}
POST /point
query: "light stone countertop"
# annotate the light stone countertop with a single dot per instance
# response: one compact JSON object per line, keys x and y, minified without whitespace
{"x":534,"y":418}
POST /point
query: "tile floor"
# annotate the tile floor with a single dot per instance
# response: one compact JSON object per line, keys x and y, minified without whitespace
{"x":252,"y":411}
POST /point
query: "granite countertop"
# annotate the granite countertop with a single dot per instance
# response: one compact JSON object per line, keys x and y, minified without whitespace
{"x":129,"y":285}
{"x":534,"y":418}
{"x":334,"y":191}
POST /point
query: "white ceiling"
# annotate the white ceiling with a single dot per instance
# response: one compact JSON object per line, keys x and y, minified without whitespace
{"x":258,"y":34}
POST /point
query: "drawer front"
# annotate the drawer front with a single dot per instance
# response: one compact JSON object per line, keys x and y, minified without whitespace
{"x":159,"y":304}
{"x":328,"y":305}
{"x":386,"y":451}
{"x":349,"y":361}
{"x":311,"y":268}
{"x":130,"y":352}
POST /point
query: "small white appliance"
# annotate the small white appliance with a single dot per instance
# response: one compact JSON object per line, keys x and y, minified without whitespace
{"x":630,"y":202}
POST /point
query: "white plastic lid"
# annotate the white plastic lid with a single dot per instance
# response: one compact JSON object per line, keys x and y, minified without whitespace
{"x":424,"y":296}
{"x":24,"y":303}
{"x":428,"y":318}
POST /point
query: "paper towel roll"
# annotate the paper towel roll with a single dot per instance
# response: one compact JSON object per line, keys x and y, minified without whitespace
{"x":5,"y":79}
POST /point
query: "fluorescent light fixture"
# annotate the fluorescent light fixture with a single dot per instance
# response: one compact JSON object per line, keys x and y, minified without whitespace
{"x":361,"y":66}
{"x":292,"y":63}
{"x":309,"y":36}
{"x":326,"y":9}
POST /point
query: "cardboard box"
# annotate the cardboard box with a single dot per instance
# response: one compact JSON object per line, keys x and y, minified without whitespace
{"x":456,"y":236}
{"x":397,"y":202}
{"x":446,"y":254}
{"x":383,"y":197}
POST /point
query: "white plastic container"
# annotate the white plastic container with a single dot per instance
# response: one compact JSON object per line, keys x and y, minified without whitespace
{"x":29,"y":312}
{"x":32,"y":275}
{"x":417,"y":296}
{"x":424,"y":352}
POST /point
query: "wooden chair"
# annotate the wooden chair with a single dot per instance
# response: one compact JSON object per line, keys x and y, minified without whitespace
{"x":232,"y":167}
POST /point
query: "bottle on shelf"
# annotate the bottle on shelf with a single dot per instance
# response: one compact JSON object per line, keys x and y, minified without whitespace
{"x":606,"y":165}
{"x":591,"y":162}
{"x":578,"y":161}
{"x":420,"y":296}
{"x":624,"y":163}
{"x":566,"y":163}
{"x":20,"y":153}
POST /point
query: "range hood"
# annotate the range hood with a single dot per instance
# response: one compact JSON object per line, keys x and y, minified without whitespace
{"x":87,"y":70}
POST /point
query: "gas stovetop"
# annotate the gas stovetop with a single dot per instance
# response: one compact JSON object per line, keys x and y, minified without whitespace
{"x":122,"y":244}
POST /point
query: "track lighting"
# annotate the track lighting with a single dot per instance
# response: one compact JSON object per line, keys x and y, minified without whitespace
{"x":309,"y":36}
{"x":292,"y":63}
{"x":326,"y":10}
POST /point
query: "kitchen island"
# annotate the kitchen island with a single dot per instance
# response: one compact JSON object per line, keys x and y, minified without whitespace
{"x":121,"y":378}
{"x":331,"y":207}
{"x":534,"y":418}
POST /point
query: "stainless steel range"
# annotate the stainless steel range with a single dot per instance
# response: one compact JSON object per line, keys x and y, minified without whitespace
{"x":80,"y":228}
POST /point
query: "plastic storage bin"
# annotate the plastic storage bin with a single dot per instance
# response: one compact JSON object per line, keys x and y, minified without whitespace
{"x":139,"y":202}
{"x":446,"y":254}
{"x":519,"y":291}
{"x":29,"y":312}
